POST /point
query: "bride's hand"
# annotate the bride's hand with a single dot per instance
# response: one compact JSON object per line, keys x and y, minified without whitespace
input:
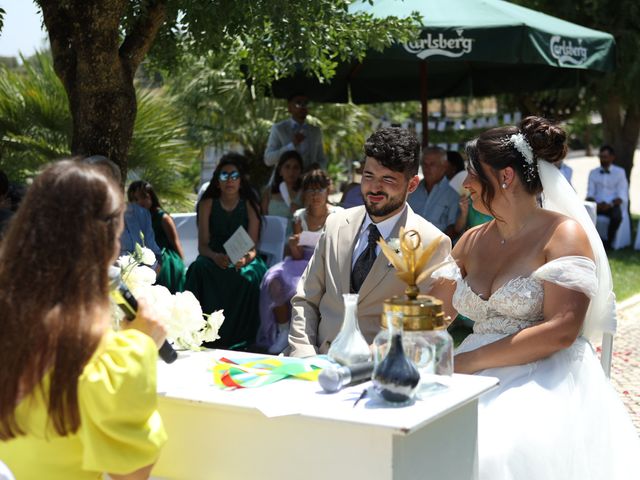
{"x":462,"y":364}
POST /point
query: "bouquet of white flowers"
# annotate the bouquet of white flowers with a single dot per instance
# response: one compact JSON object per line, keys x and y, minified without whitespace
{"x":187,"y":327}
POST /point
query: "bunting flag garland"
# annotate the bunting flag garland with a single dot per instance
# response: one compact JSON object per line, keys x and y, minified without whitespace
{"x":257,"y":372}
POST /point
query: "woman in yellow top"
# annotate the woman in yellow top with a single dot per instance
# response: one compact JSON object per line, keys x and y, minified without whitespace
{"x":77,"y":398}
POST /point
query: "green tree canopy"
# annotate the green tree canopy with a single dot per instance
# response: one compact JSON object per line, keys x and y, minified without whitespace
{"x":97,"y":46}
{"x":616,"y":95}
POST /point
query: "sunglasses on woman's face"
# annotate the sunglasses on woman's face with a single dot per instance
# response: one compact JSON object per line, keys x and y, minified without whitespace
{"x":316,"y":191}
{"x":226,"y":176}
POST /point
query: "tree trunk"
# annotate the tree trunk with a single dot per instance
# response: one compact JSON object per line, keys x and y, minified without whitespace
{"x":97,"y":69}
{"x":621,"y":129}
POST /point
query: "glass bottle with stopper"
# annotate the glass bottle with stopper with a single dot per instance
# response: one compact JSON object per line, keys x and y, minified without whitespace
{"x":350,"y":346}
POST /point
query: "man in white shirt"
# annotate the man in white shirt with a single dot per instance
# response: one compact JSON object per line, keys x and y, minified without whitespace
{"x":295,"y":134}
{"x":347,"y":258}
{"x":608,"y":187}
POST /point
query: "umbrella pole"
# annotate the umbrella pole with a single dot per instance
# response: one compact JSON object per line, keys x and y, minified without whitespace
{"x":423,"y":103}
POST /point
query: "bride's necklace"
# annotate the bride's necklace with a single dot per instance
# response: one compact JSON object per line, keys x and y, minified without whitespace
{"x":504,"y":240}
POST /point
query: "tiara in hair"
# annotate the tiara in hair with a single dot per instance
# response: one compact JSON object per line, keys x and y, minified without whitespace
{"x":521,"y":144}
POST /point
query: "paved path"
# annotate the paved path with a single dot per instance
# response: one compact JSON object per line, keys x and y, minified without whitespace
{"x":625,"y":369}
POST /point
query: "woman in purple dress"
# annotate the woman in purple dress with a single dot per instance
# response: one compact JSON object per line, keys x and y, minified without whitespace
{"x":280,"y":282}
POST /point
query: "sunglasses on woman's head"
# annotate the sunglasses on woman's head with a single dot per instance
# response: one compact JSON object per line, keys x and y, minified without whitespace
{"x":226,"y":176}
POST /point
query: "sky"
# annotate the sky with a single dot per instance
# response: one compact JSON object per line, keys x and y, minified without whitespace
{"x":21,"y":31}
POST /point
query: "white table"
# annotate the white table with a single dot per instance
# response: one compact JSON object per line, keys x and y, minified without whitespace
{"x":291,"y":429}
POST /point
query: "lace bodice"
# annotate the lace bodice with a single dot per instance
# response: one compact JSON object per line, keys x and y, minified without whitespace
{"x":519,"y":302}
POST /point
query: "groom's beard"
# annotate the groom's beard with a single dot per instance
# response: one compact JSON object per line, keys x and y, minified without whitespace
{"x":391,"y":205}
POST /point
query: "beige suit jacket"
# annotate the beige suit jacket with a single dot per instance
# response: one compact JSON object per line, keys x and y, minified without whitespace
{"x":318,"y":305}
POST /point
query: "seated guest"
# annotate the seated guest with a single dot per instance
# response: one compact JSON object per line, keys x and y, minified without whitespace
{"x":608,"y":187}
{"x":137,"y":220}
{"x":228,"y":203}
{"x":171,"y":273}
{"x":77,"y":399}
{"x":347,"y":258}
{"x":468,"y":216}
{"x":455,"y":164}
{"x":282,"y":197}
{"x":280,"y":282}
{"x":434,"y":199}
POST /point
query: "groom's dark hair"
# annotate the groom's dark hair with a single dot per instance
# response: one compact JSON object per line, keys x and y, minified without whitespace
{"x":396,"y":149}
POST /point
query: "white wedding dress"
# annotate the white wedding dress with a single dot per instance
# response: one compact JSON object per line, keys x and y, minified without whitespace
{"x":557,"y":418}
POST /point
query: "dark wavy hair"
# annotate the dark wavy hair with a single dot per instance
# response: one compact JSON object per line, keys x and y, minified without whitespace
{"x":246,"y":190}
{"x":277,"y":177}
{"x":493,"y":148}
{"x":146,"y":187}
{"x":396,"y":149}
{"x":54,"y":288}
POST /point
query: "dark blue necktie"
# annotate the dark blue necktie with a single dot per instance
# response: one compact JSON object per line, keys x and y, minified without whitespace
{"x":365,"y":260}
{"x":602,"y":170}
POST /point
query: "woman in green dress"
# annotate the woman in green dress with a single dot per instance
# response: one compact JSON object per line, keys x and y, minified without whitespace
{"x":172,"y":271}
{"x":228,"y":203}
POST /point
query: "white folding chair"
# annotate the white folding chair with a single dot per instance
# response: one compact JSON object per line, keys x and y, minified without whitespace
{"x":188,"y":233}
{"x":273,"y":238}
{"x":623,"y":234}
{"x":606,"y":353}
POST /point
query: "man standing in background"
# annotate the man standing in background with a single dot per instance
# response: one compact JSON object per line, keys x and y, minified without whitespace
{"x":295,"y":134}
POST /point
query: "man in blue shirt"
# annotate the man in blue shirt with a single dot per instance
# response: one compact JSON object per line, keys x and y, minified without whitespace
{"x":434,"y":199}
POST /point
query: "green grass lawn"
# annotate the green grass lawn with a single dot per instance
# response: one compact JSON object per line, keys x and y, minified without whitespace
{"x":625,"y":267}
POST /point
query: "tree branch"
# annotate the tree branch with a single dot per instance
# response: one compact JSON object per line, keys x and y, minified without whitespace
{"x":139,"y":40}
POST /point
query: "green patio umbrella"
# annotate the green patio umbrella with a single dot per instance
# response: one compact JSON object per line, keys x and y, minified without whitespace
{"x":465,"y":48}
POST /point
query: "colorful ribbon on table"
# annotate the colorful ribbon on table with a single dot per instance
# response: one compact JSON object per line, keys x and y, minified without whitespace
{"x":261,"y":371}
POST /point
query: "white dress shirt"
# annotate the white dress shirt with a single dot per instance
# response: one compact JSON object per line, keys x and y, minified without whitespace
{"x":606,"y":187}
{"x":385,"y":228}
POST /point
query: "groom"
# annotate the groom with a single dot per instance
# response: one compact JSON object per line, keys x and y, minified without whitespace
{"x":347,"y":258}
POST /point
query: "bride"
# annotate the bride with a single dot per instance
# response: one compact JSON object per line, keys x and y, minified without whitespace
{"x":537,"y":283}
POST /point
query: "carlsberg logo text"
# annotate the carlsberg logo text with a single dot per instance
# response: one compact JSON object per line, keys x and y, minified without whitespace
{"x":440,"y":45}
{"x":566,"y":52}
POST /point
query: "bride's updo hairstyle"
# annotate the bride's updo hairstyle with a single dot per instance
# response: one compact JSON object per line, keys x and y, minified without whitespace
{"x":534,"y":140}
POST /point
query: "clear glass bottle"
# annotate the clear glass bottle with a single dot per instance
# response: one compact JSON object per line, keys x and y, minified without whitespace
{"x":395,"y":378}
{"x":349,"y":346}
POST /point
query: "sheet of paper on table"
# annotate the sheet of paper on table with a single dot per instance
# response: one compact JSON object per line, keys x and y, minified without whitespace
{"x":309,"y":239}
{"x":238,"y":245}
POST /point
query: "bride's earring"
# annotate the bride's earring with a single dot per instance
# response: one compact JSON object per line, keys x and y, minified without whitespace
{"x":504,"y":185}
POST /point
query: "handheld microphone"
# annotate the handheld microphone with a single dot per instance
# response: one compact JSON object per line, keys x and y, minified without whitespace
{"x":129,"y":305}
{"x":333,"y":379}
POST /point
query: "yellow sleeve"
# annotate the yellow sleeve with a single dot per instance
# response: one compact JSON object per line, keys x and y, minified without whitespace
{"x":121,"y":429}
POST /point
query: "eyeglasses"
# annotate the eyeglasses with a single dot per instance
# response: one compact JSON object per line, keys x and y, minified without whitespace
{"x":316,"y":191}
{"x":226,"y":176}
{"x":301,"y":104}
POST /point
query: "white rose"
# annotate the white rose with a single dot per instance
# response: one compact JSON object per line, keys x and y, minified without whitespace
{"x":125,"y":261}
{"x":138,"y":278}
{"x":214,"y":322}
{"x":147,"y":257}
{"x":186,"y":320}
